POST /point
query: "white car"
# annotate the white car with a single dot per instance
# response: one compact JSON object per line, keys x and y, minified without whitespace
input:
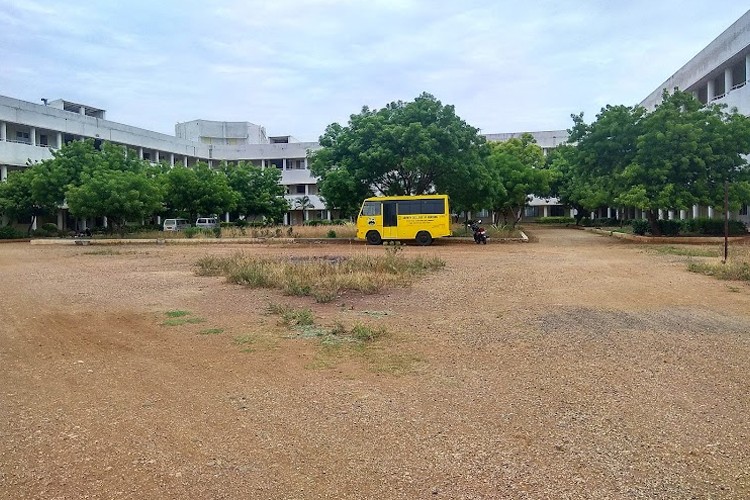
{"x":207,"y":222}
{"x":176,"y":224}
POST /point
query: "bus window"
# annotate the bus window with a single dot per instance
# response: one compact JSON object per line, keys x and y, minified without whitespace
{"x":433,"y":206}
{"x":371,"y":208}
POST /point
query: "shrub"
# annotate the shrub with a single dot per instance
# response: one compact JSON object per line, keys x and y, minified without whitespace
{"x":713,"y":227}
{"x":10,"y":233}
{"x":217,"y":232}
{"x":227,"y":224}
{"x":640,"y":226}
{"x":669,"y":227}
{"x":47,"y":230}
{"x":189,"y":232}
{"x":331,"y":233}
{"x":240,"y":223}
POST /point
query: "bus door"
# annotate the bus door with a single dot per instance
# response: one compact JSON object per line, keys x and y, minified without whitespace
{"x":390,"y":220}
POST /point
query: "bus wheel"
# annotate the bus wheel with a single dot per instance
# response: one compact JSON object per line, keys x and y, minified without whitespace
{"x":424,"y":238}
{"x":373,"y":238}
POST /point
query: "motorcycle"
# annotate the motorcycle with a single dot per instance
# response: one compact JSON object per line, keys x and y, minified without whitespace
{"x":480,"y":234}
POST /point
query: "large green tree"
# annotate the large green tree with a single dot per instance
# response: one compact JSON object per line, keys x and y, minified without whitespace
{"x":17,"y":200}
{"x":259,"y":192}
{"x":570,"y":185}
{"x":119,"y":195}
{"x":404,"y":148}
{"x":517,"y":168}
{"x":198,"y":190}
{"x":684,"y":154}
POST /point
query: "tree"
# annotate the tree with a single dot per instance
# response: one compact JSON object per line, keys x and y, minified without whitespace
{"x":198,"y":190}
{"x":517,"y":167}
{"x":17,"y":200}
{"x":570,"y":186}
{"x":120,"y":196}
{"x":259,"y":192}
{"x":684,"y":154}
{"x":405,"y":148}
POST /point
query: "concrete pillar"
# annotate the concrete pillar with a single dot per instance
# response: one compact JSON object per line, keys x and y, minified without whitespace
{"x":3,"y":173}
{"x":171,"y":159}
{"x":683,"y":214}
{"x":307,"y":189}
{"x":33,"y":223}
{"x":286,"y":219}
{"x":140,"y":153}
{"x":3,"y":131}
{"x":60,"y":220}
{"x":226,"y":217}
{"x":660,"y":214}
{"x":670,"y":215}
{"x":156,"y":157}
{"x":263,"y":165}
{"x":32,"y":136}
{"x":185,"y":161}
{"x":545,"y":211}
{"x":84,"y":225}
{"x":105,"y":222}
{"x":728,"y":80}
{"x":711,"y":91}
{"x":328,"y":214}
{"x":59,"y":140}
{"x":158,"y":220}
{"x":710,"y":212}
{"x":747,"y":69}
{"x":696,"y":211}
{"x":609,"y":212}
{"x":82,"y":111}
{"x":591,"y":215}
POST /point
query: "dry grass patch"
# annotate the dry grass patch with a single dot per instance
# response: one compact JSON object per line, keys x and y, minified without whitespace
{"x":736,"y":268}
{"x":323,"y":278}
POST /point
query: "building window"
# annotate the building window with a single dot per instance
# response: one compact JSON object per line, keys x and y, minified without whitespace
{"x":300,"y":189}
{"x":23,"y":137}
{"x":743,"y":210}
{"x":557,"y":211}
{"x":531,"y":212}
{"x":43,"y":140}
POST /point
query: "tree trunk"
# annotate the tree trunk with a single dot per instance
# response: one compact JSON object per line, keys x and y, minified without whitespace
{"x":653,"y":220}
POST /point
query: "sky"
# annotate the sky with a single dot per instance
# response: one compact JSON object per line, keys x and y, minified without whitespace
{"x":296,"y":66}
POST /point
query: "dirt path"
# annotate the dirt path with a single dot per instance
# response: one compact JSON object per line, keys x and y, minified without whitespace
{"x":576,"y":366}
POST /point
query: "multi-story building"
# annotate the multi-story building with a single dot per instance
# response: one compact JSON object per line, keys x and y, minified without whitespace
{"x":29,"y":132}
{"x":719,"y":74}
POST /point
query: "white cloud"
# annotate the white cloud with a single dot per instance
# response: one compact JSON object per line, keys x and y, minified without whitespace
{"x":295,"y":66}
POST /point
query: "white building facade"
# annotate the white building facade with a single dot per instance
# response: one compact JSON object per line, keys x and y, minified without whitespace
{"x":718,"y":74}
{"x":29,"y":132}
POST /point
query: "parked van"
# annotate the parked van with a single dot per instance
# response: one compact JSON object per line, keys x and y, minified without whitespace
{"x":207,"y":222}
{"x":176,"y":224}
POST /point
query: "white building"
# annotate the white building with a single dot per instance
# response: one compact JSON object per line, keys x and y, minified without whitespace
{"x":29,"y":131}
{"x":717,"y":74}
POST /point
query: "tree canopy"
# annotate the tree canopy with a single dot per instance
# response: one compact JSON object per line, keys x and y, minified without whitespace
{"x":674,"y":157}
{"x":404,"y":148}
{"x":259,"y":192}
{"x":198,"y":190}
{"x":516,"y":166}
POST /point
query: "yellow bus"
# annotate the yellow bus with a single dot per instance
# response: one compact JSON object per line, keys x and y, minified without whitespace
{"x":421,"y":218}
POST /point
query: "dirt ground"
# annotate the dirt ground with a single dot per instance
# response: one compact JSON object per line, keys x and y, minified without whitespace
{"x":574,"y":366}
